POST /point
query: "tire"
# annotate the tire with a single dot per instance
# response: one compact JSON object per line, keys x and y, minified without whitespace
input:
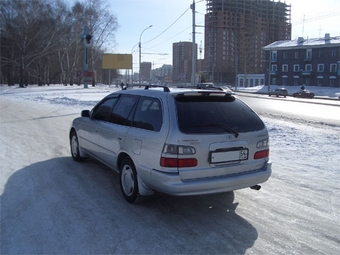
{"x":128,"y":182}
{"x":74,"y":144}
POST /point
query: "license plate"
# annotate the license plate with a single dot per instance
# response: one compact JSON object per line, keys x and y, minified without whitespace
{"x":228,"y":156}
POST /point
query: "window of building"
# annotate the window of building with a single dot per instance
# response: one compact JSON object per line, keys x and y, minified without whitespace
{"x":296,"y":54}
{"x":274,"y":56}
{"x":285,"y":55}
{"x":307,"y":81}
{"x":332,"y":68}
{"x":332,"y":82}
{"x":274,"y":67}
{"x":273,"y":81}
{"x":309,"y":54}
{"x":296,"y":68}
{"x":319,"y":81}
{"x":308,"y":67}
{"x":334,"y":53}
{"x":321,"y":67}
{"x":321,"y":54}
{"x":296,"y":81}
{"x":284,"y":68}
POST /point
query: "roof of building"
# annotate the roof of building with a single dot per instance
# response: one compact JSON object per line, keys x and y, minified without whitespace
{"x":325,"y":41}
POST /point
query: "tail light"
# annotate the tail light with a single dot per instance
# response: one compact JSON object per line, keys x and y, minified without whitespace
{"x":261,"y":154}
{"x":170,"y":156}
{"x":178,"y":162}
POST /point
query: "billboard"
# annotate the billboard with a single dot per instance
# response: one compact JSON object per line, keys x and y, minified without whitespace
{"x":117,"y":61}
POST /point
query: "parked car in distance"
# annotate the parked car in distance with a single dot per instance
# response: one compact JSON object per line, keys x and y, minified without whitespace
{"x":278,"y":92}
{"x":205,"y":85}
{"x":303,"y":94}
{"x":179,"y":142}
{"x":208,"y":85}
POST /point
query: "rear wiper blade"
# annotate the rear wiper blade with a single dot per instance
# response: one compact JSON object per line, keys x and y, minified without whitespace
{"x":223,"y":126}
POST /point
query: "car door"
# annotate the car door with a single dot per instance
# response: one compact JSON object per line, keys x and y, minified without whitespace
{"x":89,"y":133}
{"x":112,"y":134}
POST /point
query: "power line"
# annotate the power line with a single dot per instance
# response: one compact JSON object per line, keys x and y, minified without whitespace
{"x":168,"y":27}
{"x":321,"y":16}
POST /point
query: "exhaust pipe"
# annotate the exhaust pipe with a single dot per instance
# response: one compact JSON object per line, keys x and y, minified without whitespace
{"x":256,"y":187}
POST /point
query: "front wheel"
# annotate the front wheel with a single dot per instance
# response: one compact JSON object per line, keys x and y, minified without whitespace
{"x":128,"y":182}
{"x":74,"y":144}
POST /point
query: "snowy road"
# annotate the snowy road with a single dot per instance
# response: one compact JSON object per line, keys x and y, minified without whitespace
{"x":53,"y":205}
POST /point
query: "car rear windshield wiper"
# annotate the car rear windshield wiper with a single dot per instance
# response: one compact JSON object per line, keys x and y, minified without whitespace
{"x":222,"y":126}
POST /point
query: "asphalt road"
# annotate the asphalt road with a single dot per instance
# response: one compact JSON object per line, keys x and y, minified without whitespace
{"x":53,"y":205}
{"x":314,"y":110}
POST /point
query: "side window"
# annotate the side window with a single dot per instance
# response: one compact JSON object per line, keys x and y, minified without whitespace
{"x":148,"y":114}
{"x":123,"y":110}
{"x":102,"y":111}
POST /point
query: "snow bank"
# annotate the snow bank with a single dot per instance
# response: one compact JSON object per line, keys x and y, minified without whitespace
{"x":329,"y":92}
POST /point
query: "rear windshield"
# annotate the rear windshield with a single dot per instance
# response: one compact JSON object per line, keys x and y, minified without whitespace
{"x":215,"y":114}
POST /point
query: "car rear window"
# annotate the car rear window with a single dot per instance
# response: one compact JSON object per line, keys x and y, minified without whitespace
{"x":215,"y":114}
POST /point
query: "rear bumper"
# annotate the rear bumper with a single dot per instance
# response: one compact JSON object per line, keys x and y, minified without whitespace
{"x":173,"y":185}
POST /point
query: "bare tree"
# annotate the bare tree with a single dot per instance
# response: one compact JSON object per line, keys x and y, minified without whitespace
{"x":40,"y":39}
{"x":31,"y":32}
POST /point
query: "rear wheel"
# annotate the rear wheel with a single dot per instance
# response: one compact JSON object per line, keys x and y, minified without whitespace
{"x":74,"y":144}
{"x":128,"y":181}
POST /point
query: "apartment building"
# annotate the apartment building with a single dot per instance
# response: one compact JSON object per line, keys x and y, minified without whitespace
{"x":312,"y":62}
{"x":145,"y":71}
{"x":237,"y":31}
{"x":182,"y":61}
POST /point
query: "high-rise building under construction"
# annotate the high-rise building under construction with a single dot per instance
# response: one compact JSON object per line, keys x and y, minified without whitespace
{"x":235,"y":33}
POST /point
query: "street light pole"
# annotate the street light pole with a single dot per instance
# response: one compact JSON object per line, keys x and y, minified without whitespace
{"x":194,"y":54}
{"x":140,"y":52}
{"x":132,"y":51}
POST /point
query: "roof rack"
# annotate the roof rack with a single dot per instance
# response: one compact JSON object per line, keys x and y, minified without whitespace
{"x":147,"y":86}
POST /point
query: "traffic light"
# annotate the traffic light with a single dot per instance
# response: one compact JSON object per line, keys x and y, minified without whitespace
{"x":88,"y":39}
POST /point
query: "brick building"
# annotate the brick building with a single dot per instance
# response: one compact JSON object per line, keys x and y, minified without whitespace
{"x":237,"y":31}
{"x":312,"y":62}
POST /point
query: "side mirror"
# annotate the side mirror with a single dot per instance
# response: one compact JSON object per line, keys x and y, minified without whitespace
{"x":85,"y":113}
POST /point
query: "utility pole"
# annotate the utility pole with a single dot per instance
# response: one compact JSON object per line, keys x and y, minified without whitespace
{"x":194,"y":57}
{"x":87,"y":40}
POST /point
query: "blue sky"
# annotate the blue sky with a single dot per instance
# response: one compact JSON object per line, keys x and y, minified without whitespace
{"x":171,"y":21}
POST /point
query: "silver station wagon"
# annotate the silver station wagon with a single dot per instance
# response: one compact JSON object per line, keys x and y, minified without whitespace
{"x":175,"y":141}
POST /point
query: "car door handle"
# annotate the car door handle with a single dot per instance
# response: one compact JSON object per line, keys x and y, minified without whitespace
{"x":120,"y":138}
{"x":96,"y":130}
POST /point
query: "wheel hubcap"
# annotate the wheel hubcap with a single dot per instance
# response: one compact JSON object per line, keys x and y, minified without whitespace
{"x":74,"y":146}
{"x":128,"y":182}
